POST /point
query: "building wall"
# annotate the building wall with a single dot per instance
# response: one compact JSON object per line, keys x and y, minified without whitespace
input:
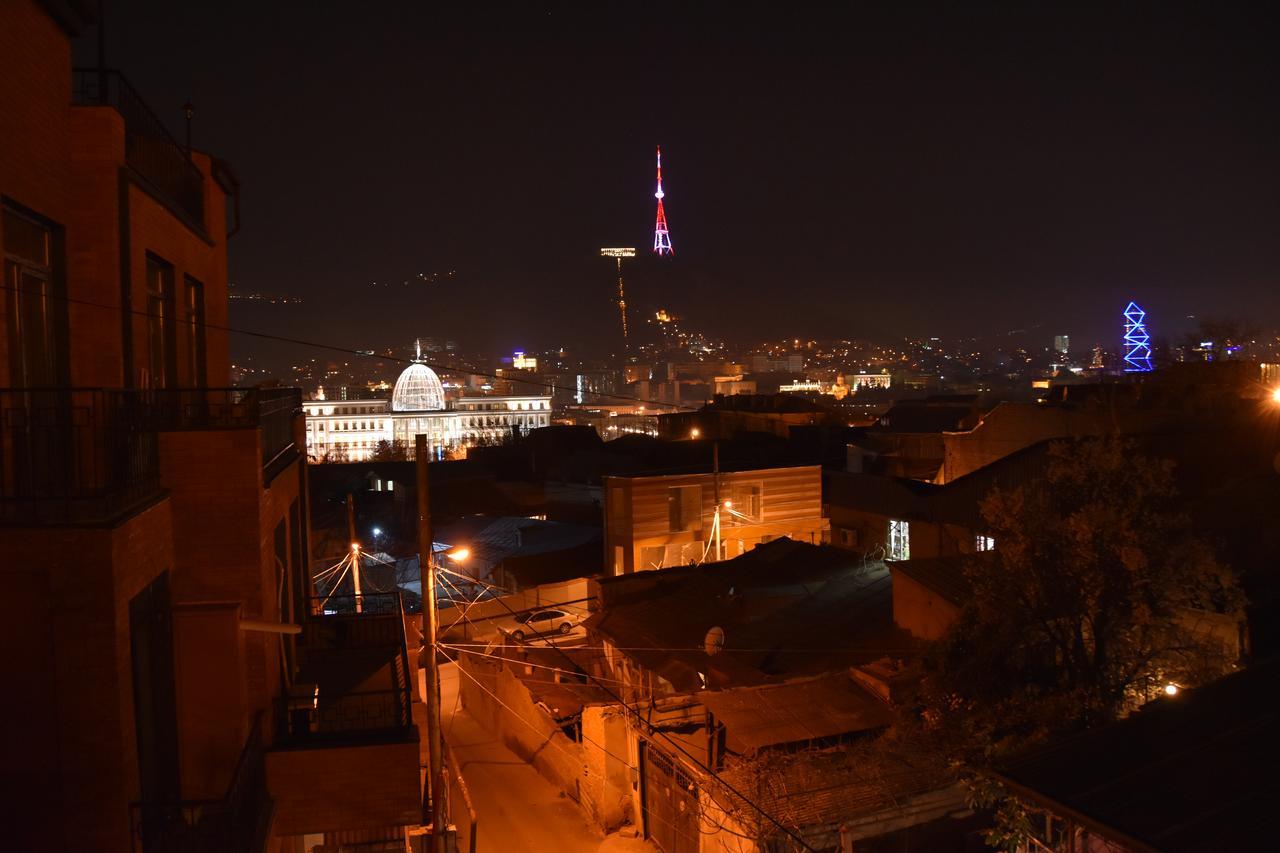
{"x":1010,"y":427}
{"x":35,"y":100}
{"x":153,"y":228}
{"x":372,"y":787}
{"x":918,"y":609}
{"x":500,"y":702}
{"x":637,"y":515}
{"x":70,"y":744}
{"x":226,"y":521}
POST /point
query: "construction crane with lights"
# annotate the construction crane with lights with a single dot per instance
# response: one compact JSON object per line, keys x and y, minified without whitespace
{"x":661,"y":238}
{"x":618,"y":254}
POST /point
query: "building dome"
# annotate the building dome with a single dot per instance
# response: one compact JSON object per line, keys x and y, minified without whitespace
{"x":418,"y":389}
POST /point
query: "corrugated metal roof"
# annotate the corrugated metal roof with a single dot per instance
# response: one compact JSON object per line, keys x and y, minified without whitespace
{"x":795,"y":711}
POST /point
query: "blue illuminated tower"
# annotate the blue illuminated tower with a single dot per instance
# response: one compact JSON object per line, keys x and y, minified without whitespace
{"x":1137,"y":343}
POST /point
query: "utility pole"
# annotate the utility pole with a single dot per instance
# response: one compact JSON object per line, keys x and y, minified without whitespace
{"x":355,"y":548}
{"x":430,"y":628}
{"x":715,"y":472}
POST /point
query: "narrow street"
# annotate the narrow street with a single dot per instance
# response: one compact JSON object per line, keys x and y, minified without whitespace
{"x":518,"y":809}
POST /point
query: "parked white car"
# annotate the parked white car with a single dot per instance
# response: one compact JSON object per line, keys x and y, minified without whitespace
{"x":541,"y":623}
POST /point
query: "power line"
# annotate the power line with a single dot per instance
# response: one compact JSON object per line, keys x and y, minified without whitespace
{"x":448,"y":368}
{"x":708,"y":770}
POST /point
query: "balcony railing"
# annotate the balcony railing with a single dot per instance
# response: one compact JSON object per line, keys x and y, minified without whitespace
{"x":150,"y":149}
{"x":91,"y":455}
{"x":237,"y":821}
{"x":272,"y":409}
{"x":335,"y":638}
{"x":75,"y":455}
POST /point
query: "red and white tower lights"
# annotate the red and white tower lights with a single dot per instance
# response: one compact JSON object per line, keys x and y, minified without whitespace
{"x":661,"y":239}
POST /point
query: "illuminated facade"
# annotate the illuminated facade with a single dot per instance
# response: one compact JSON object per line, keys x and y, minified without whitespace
{"x":869,"y":380}
{"x":350,"y":430}
{"x":1137,"y":343}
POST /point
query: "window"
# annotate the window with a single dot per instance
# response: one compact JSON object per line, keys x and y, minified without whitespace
{"x":747,"y":503}
{"x":983,"y":543}
{"x":684,"y":508}
{"x":196,"y":365}
{"x":161,"y":369}
{"x":36,"y":314}
{"x":899,"y":540}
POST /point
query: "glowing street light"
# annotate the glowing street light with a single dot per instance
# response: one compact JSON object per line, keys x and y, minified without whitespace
{"x":1275,"y":395}
{"x":695,"y":432}
{"x":458,"y":554}
{"x":1171,"y":689}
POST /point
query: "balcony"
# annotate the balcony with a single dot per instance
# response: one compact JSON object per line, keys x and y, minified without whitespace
{"x":358,"y":664}
{"x":162,"y":164}
{"x":271,"y":409}
{"x":91,"y":455}
{"x":75,"y":455}
{"x":346,"y":753}
{"x":237,"y":821}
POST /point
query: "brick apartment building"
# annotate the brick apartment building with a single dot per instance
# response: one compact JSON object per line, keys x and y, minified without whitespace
{"x":172,"y":684}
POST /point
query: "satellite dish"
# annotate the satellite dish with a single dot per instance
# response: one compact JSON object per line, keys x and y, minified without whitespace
{"x":714,"y":642}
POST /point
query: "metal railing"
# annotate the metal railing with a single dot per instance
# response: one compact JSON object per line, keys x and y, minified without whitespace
{"x":237,"y":821}
{"x":150,"y":150}
{"x":370,"y":604}
{"x":91,"y":455}
{"x":333,"y":629}
{"x":75,"y":455}
{"x":271,"y":409}
{"x":343,"y":715}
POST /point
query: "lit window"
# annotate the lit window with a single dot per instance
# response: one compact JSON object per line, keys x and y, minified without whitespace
{"x":684,"y":508}
{"x":899,"y":540}
{"x":746,"y":506}
{"x":983,"y":543}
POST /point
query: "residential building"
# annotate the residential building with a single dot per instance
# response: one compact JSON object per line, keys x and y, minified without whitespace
{"x":728,"y":416}
{"x":660,"y":521}
{"x":760,"y":677}
{"x":153,"y":521}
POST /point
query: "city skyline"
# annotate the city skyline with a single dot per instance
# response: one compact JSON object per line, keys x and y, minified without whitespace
{"x":854,"y":174}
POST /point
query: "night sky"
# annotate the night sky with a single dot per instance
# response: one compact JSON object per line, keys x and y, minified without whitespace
{"x":854,"y":171}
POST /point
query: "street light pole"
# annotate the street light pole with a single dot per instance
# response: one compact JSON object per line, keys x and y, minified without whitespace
{"x":430,"y":629}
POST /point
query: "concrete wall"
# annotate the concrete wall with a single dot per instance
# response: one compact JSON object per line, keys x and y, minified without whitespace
{"x":606,"y":786}
{"x":920,"y":610}
{"x":500,"y":703}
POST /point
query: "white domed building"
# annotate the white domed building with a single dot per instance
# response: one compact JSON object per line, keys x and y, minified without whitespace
{"x":350,"y":430}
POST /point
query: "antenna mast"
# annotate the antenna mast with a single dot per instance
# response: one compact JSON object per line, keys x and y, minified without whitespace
{"x":661,"y":239}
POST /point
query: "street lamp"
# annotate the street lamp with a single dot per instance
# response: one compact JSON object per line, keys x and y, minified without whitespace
{"x":695,"y":432}
{"x":1275,"y":395}
{"x":458,"y":554}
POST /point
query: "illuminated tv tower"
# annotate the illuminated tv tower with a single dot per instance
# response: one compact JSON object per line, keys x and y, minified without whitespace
{"x":1137,"y":343}
{"x":661,"y":239}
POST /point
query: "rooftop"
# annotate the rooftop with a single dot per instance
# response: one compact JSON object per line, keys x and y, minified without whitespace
{"x":788,"y":610}
{"x":807,"y":709}
{"x":1191,"y":773}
